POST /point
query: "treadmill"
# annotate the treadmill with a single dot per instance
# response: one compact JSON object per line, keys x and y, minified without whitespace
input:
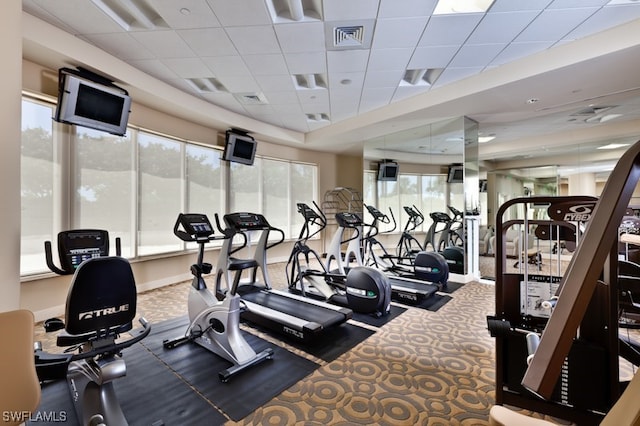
{"x":295,"y":316}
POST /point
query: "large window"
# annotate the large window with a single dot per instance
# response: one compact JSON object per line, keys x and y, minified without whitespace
{"x":273,"y":188}
{"x":103,"y":185}
{"x":38,"y":169}
{"x":160,"y":193}
{"x":134,"y":186}
{"x":426,"y":192}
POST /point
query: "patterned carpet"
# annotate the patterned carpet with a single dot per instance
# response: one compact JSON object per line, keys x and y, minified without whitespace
{"x":421,"y":368}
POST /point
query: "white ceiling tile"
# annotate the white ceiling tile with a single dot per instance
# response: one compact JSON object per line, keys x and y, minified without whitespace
{"x":208,"y":41}
{"x":282,"y":98}
{"x":188,"y":67}
{"x":378,"y":79}
{"x":240,"y":84}
{"x":566,"y":4}
{"x":476,"y":55}
{"x":605,"y":18}
{"x":83,"y":16}
{"x":338,"y":81}
{"x":375,"y":98}
{"x":240,"y":12}
{"x":501,"y":27}
{"x":164,"y":44}
{"x":254,"y":40}
{"x":287,"y":109}
{"x":347,"y":60}
{"x":335,"y":10}
{"x":300,"y":38}
{"x":404,"y":92}
{"x":272,"y":64}
{"x":432,"y":56}
{"x":398,"y":32}
{"x":225,"y":100}
{"x":552,"y":25}
{"x":406,"y":8}
{"x":519,"y":50}
{"x":454,"y":74}
{"x":306,"y":63}
{"x":449,"y":29}
{"x":259,"y":109}
{"x":275,"y":82}
{"x":120,"y":45}
{"x":227,"y":65}
{"x":294,"y":123}
{"x":155,"y":68}
{"x":175,"y":14}
{"x":314,"y":97}
{"x":389,"y":59}
{"x":513,"y":5}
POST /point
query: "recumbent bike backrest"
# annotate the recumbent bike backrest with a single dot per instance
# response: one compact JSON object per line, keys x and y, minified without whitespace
{"x":102,"y":296}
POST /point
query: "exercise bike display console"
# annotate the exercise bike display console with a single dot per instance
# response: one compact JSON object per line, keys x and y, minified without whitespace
{"x":76,"y":246}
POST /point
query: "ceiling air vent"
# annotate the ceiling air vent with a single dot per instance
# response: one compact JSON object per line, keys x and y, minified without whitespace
{"x":251,"y":98}
{"x":345,"y":35}
{"x":348,"y":36}
{"x":592,"y":110}
{"x":317,"y":117}
{"x":206,"y":85}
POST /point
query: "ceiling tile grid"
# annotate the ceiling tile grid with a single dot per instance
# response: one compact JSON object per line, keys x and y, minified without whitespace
{"x":312,"y":63}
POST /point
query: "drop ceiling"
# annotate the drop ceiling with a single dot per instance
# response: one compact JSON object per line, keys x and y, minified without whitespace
{"x":544,"y":77}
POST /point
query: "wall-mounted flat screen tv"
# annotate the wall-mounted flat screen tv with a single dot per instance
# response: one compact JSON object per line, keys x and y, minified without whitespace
{"x":456,"y":174}
{"x":239,"y":148}
{"x":388,"y":171}
{"x":87,"y":103}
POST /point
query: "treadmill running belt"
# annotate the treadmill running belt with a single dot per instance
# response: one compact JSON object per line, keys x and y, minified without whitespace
{"x":308,"y":311}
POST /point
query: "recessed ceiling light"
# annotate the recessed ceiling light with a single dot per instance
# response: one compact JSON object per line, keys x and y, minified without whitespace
{"x":613,"y":146}
{"x":532,"y":100}
{"x":485,"y":139}
{"x":345,"y":81}
{"x":185,"y":11}
{"x":447,"y":7}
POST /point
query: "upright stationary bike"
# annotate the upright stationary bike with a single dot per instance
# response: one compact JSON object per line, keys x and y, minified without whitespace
{"x":214,"y":319}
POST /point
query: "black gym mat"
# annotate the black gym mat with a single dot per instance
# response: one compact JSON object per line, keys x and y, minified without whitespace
{"x":379,"y":322}
{"x":434,"y":302}
{"x":150,"y":393}
{"x":246,"y":391}
{"x":451,"y":287}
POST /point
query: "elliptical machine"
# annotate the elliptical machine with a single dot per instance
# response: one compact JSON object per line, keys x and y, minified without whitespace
{"x":364,"y":290}
{"x":426,"y":266}
{"x":214,"y":319}
{"x":440,"y":238}
{"x":408,"y":246}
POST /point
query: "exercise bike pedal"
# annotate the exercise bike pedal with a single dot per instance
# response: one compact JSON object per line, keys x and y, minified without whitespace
{"x":174,"y":343}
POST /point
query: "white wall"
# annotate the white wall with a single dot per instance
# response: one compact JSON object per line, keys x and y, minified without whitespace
{"x":10,"y":84}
